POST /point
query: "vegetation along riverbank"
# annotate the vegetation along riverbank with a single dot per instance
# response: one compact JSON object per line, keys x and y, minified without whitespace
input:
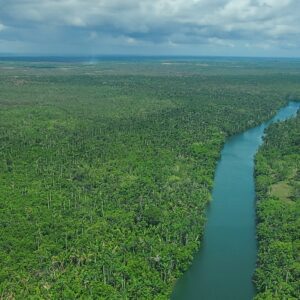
{"x":278,"y":211}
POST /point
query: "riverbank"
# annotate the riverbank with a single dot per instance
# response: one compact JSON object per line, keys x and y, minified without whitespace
{"x":227,"y":257}
{"x":278,"y":209}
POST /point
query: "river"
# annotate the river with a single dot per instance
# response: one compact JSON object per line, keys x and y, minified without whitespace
{"x":225,"y":263}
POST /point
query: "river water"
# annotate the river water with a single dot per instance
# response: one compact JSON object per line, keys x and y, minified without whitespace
{"x":225,"y":263}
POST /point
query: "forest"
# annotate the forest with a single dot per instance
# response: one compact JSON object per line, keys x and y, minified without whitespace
{"x":106,"y":170}
{"x":278,"y":212}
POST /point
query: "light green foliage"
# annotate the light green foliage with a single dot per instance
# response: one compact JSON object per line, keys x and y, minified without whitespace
{"x":106,"y":169}
{"x":278,"y":209}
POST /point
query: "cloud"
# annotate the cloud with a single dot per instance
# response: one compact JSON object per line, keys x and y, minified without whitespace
{"x":2,"y":27}
{"x":150,"y":24}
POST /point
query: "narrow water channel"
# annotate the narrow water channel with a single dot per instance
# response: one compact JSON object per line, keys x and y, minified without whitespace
{"x":223,"y":268}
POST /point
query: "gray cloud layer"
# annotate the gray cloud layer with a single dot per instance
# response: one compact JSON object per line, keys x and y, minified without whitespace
{"x":263,"y":27}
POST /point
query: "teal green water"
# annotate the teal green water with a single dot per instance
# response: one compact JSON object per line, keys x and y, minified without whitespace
{"x":223,"y":268}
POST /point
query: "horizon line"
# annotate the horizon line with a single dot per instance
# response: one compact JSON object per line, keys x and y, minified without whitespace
{"x":9,"y":55}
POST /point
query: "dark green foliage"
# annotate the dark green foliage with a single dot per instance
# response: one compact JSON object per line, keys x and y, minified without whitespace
{"x":278,"y":211}
{"x":106,"y":170}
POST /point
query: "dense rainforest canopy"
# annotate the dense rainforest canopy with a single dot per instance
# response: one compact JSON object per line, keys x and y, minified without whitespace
{"x":106,"y":169}
{"x":278,"y":210}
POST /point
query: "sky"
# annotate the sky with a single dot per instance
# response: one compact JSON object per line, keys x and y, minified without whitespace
{"x":150,"y":27}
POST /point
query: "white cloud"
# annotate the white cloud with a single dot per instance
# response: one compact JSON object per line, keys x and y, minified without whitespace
{"x":221,"y":42}
{"x":159,"y":22}
{"x":2,"y":27}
